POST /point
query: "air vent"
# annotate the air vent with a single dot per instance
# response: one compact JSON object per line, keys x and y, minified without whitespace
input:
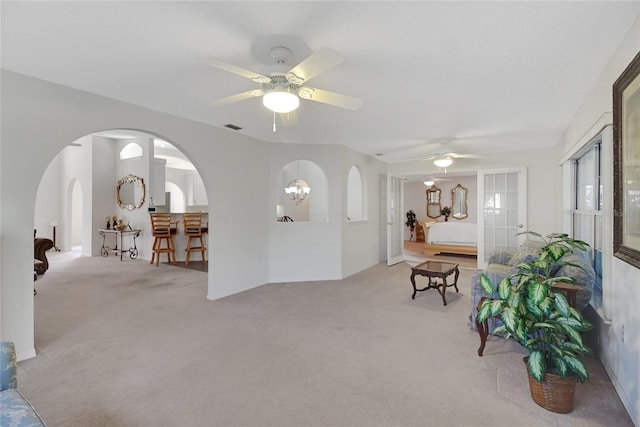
{"x":234,"y":127}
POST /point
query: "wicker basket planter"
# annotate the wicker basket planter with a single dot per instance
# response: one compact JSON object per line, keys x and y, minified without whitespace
{"x":554,"y":393}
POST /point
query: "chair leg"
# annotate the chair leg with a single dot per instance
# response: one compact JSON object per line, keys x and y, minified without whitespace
{"x":188,"y":249}
{"x":204,"y":258}
{"x":173,"y":249}
{"x":153,"y":250}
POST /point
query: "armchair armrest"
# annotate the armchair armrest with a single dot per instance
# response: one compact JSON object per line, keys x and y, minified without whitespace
{"x":8,"y":366}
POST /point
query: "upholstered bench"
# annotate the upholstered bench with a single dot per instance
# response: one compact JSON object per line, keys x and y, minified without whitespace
{"x":15,"y":410}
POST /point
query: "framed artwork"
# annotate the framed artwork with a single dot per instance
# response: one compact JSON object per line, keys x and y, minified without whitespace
{"x":626,"y":164}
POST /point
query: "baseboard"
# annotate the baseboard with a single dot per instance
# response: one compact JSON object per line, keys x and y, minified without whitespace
{"x":24,"y":355}
{"x":631,"y":409}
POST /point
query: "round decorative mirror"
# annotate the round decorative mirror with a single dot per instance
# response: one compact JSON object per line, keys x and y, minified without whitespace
{"x":433,"y":202}
{"x":459,"y":202}
{"x":131,"y":192}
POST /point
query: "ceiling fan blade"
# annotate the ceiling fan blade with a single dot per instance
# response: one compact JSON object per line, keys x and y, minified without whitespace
{"x":462,"y":156}
{"x":331,"y":98}
{"x":258,"y":78}
{"x":289,"y":119}
{"x":315,"y":64}
{"x":238,"y":97}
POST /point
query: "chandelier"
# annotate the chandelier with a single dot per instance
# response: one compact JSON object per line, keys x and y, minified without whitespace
{"x":297,"y":189}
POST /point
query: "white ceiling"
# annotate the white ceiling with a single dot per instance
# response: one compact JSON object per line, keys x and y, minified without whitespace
{"x":481,"y":77}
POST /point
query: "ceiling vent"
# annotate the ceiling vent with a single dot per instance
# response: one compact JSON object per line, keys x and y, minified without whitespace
{"x":234,"y":127}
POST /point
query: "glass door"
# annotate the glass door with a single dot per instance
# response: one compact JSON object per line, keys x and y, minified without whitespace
{"x":502,"y":211}
{"x":395,"y":233}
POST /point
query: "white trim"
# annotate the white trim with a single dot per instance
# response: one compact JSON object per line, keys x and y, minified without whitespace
{"x":605,"y":120}
{"x":26,"y":355}
{"x":626,"y":402}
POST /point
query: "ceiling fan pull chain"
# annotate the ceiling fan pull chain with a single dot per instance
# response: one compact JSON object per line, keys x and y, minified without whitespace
{"x":274,"y":121}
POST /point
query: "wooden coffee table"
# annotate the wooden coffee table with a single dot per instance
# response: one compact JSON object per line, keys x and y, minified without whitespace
{"x":437,"y":272}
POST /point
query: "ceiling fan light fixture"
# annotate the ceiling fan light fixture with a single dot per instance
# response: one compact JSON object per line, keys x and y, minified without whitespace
{"x":443,"y":162}
{"x":281,"y":101}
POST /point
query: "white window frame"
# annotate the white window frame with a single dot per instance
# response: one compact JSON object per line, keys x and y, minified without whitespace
{"x":597,"y":239}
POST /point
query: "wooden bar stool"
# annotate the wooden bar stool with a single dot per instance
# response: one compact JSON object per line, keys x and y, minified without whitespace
{"x":193,"y":229}
{"x":162,"y":231}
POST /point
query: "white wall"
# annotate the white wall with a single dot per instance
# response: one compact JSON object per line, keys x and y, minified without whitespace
{"x":363,"y":241}
{"x":39,"y":119}
{"x":618,"y":351}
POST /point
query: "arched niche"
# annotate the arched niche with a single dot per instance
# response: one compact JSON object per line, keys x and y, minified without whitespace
{"x":356,"y":195}
{"x":314,"y":207}
{"x":130,"y":151}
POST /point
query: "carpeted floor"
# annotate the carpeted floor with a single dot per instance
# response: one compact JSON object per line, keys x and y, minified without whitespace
{"x":130,"y":344}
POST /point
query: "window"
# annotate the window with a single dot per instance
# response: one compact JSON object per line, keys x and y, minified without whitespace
{"x":586,"y":210}
{"x":130,"y":151}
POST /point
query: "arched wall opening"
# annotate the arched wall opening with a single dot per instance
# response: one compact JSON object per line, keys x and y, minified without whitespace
{"x":356,"y":195}
{"x":312,"y":208}
{"x":77,"y":189}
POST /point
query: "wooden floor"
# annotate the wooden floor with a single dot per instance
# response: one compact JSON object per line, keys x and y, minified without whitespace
{"x":415,"y":249}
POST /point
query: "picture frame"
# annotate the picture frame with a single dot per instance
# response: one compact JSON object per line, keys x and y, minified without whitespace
{"x":626,"y":164}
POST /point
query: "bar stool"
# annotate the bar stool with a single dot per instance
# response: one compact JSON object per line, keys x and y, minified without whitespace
{"x":193,"y":229}
{"x":162,"y":231}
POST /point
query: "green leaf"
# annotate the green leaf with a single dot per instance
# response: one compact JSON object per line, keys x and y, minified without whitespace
{"x":546,"y":306}
{"x":486,"y":284}
{"x":496,"y":307}
{"x":571,"y":322}
{"x":537,"y":292}
{"x":501,"y":330}
{"x":485,"y":311}
{"x":544,"y":325}
{"x":520,"y":333}
{"x":557,"y":236}
{"x":575,"y":348}
{"x":555,"y":251}
{"x":562,"y":305}
{"x":571,"y":333}
{"x":514,"y":299}
{"x":576,"y":366}
{"x":561,"y":366}
{"x":536,"y":365}
{"x":504,"y":288}
{"x":509,"y":319}
{"x":533,"y":309}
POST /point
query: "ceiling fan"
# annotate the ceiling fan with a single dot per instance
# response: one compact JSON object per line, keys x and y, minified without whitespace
{"x":444,"y":160}
{"x":431,"y":180}
{"x":283,"y":87}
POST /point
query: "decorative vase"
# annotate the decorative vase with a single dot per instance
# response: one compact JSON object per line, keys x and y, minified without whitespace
{"x":554,"y":393}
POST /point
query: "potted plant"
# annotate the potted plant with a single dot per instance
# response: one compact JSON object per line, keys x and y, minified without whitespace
{"x":446,"y":211}
{"x":540,"y":318}
{"x":411,"y":222}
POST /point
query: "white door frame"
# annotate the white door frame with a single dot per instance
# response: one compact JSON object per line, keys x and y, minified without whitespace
{"x":395,"y":231}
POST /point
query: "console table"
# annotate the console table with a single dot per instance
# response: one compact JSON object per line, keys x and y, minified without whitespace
{"x":119,"y":236}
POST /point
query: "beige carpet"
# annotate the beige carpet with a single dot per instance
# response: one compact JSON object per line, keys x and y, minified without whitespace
{"x":129,"y":344}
